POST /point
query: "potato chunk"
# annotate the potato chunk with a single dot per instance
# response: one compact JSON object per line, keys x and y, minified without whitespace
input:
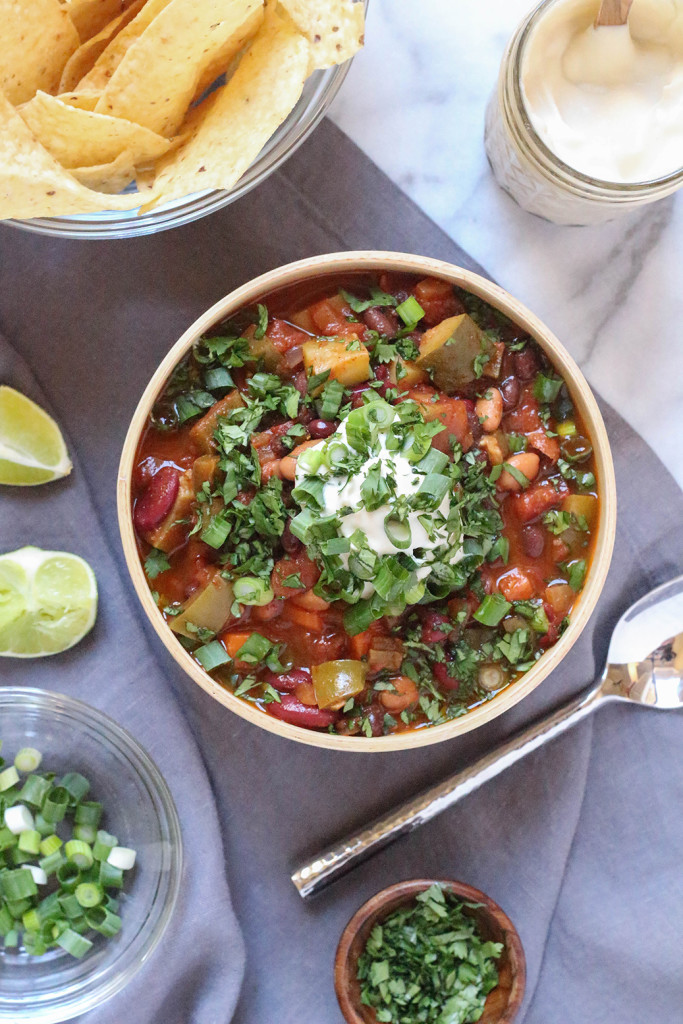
{"x":208,"y":609}
{"x":349,"y":366}
{"x":203,"y":430}
{"x":448,"y":351}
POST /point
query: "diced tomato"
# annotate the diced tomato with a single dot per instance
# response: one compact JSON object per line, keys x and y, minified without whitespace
{"x":526,"y":417}
{"x":452,"y":412}
{"x":548,"y":446}
{"x":435,"y":627}
{"x":539,"y":498}
{"x":329,"y":317}
{"x":519,"y":584}
{"x":437,"y":299}
{"x":445,"y":681}
{"x":285,"y":336}
{"x":300,"y":563}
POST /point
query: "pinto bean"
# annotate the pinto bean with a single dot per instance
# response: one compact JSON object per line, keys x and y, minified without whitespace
{"x":157,"y":500}
{"x":384,"y":323}
{"x":290,"y":709}
{"x":489,"y":410}
{"x":405,"y":695}
{"x":527,"y":463}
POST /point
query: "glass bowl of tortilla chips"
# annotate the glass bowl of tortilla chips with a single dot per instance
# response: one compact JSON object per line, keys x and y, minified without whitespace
{"x":127,"y":117}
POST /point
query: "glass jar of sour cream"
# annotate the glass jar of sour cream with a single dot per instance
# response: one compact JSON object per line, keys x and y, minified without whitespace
{"x":585,"y":123}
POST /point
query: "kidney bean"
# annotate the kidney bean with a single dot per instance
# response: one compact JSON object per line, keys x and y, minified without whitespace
{"x":321,"y":428}
{"x":291,"y":710}
{"x":510,"y":389}
{"x":305,"y":415}
{"x":300,"y":382}
{"x":290,"y":543}
{"x":474,"y":423}
{"x":357,"y":395}
{"x":526,"y":363}
{"x":435,"y":627}
{"x":382,"y":374}
{"x":288,"y":681}
{"x":446,"y":682}
{"x":384,"y":323}
{"x":533,"y":540}
{"x":157,"y":501}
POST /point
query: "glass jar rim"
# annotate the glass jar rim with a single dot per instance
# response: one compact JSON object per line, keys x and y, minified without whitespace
{"x":547,"y":159}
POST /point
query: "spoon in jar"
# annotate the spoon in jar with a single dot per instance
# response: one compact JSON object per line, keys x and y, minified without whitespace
{"x":644,"y":666}
{"x":613,"y":12}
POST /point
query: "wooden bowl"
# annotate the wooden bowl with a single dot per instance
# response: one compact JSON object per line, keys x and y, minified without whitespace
{"x":502,"y":1003}
{"x":316,"y":268}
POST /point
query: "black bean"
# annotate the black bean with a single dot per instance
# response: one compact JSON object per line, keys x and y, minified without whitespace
{"x":533,"y":540}
{"x":290,"y":543}
{"x":526,"y":363}
{"x":510,"y":390}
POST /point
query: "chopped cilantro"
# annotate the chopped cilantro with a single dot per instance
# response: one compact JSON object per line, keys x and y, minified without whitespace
{"x":155,"y":563}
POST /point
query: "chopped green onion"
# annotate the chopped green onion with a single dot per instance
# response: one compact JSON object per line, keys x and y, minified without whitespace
{"x":398,"y":532}
{"x":8,"y":778}
{"x":27,"y":759}
{"x":492,"y":609}
{"x":218,"y":378}
{"x":410,"y":311}
{"x":122,"y":857}
{"x":546,"y":389}
{"x":103,"y":845}
{"x":34,"y":790}
{"x":110,"y":877}
{"x":79,"y":853}
{"x":74,"y":943}
{"x":55,"y":804}
{"x":310,"y":460}
{"x":68,"y":876}
{"x":254,"y":649}
{"x":50,"y":844}
{"x":253,"y":590}
{"x":29,"y":841}
{"x":76,"y":785}
{"x":88,"y":894}
{"x":216,"y":532}
{"x":87,"y":833}
{"x":18,"y":819}
{"x":18,"y":885}
{"x":262,"y":322}
{"x":211,"y":655}
{"x":103,"y":921}
{"x":88,"y":812}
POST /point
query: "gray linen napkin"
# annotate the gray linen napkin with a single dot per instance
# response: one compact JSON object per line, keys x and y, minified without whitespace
{"x":196,"y":972}
{"x":581,"y":843}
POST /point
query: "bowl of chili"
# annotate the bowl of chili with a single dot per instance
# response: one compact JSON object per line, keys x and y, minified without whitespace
{"x":367,"y":501}
{"x":428,"y":949}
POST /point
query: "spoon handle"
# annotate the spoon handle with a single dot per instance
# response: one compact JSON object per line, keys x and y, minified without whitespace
{"x":313,"y":876}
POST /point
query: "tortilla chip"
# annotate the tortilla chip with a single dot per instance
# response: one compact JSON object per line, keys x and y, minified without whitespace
{"x":334,"y":28}
{"x":83,"y":60}
{"x":111,"y":177}
{"x":78,"y":138}
{"x":38,"y":37}
{"x":232,"y":47}
{"x":156,"y":80}
{"x":91,"y":16}
{"x":228,"y":131}
{"x":106,"y":64}
{"x":82,"y":100}
{"x":33,"y":184}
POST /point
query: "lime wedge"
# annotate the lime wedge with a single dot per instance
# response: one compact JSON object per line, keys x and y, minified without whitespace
{"x":48,"y":602}
{"x":32,"y":449}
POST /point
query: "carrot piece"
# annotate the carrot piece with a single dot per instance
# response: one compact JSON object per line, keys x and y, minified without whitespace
{"x":233,"y":642}
{"x":360,"y":644}
{"x":308,"y":620}
{"x":517,"y":585}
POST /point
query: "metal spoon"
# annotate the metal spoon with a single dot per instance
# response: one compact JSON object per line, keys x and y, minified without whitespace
{"x":644,"y":665}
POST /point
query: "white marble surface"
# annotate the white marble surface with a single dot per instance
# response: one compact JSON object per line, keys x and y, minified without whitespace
{"x":414,"y":101}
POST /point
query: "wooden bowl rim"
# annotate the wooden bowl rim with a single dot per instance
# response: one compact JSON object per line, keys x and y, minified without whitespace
{"x":372,"y":911}
{"x":360,"y":262}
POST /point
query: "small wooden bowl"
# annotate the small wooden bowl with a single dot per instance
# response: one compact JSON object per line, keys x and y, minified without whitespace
{"x":502,"y":1003}
{"x":316,"y":269}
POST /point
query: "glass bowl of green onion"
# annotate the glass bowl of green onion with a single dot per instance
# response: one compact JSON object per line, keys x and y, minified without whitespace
{"x":90,"y":856}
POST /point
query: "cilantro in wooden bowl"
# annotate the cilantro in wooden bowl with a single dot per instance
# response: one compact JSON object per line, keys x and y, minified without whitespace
{"x":430,"y":952}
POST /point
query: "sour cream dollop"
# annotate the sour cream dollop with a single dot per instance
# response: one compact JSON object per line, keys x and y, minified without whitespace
{"x":608,"y":101}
